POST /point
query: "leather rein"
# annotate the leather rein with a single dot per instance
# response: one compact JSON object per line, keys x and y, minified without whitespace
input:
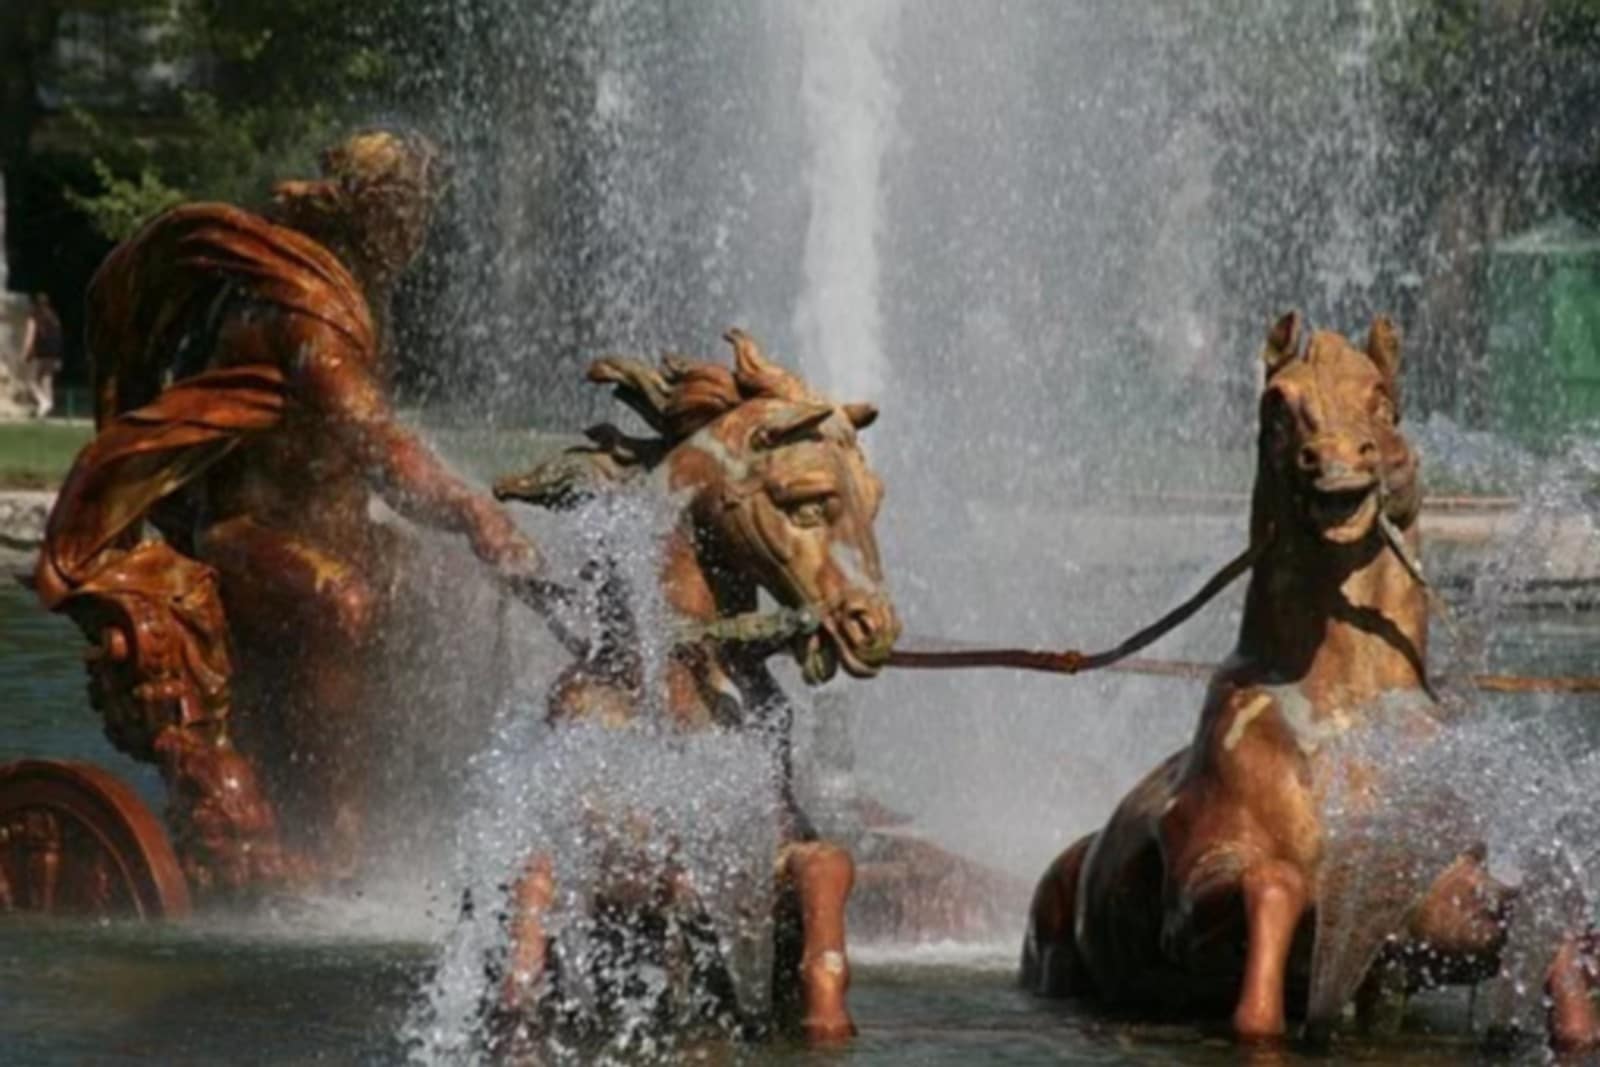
{"x":1117,"y":658}
{"x":771,"y":629}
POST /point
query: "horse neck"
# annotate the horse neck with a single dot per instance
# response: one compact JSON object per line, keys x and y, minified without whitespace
{"x":698,"y":590}
{"x":693,"y":585}
{"x":1344,"y":624}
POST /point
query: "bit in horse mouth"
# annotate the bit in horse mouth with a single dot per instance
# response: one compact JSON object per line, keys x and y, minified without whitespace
{"x":1333,"y":509}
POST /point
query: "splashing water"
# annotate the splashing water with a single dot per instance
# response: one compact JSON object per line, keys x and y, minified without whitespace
{"x":619,"y":811}
{"x":849,"y":102}
{"x":624,"y":813}
{"x":1517,"y":777}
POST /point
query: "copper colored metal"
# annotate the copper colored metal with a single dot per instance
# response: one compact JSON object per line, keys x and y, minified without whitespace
{"x":74,"y":840}
{"x":239,"y":369}
{"x":773,"y":493}
{"x":1216,"y":863}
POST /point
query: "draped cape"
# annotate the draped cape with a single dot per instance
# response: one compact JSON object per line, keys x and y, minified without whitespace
{"x":168,"y":403}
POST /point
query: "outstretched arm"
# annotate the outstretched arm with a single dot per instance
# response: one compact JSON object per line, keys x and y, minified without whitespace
{"x":405,"y":471}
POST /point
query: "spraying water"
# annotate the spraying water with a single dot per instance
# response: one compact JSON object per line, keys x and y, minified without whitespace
{"x":1048,"y":242}
{"x":849,"y":109}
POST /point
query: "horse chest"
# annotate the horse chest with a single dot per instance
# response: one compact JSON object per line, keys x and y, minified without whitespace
{"x":1259,"y":767}
{"x":1266,"y":722}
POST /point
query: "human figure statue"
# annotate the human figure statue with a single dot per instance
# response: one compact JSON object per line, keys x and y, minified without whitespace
{"x":239,"y":368}
{"x":42,"y":347}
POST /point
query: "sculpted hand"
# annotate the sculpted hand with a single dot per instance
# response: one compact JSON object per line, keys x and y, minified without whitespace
{"x":497,"y":541}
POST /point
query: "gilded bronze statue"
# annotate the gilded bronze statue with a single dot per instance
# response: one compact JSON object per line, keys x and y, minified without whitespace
{"x":775,"y":495}
{"x":1199,"y":893}
{"x":240,"y":362}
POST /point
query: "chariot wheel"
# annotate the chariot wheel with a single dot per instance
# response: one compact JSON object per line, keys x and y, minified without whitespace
{"x":75,"y":840}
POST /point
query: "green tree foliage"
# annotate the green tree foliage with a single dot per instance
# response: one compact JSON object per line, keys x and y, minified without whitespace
{"x":263,"y":86}
{"x":1491,"y":106}
{"x":1402,"y":137}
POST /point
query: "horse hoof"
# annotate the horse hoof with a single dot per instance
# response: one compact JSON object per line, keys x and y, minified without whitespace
{"x":828,"y":1029}
{"x":1253,"y":1027}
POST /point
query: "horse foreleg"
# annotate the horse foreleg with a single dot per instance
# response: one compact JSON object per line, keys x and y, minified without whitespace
{"x":528,"y":957}
{"x":1275,"y":898}
{"x":1463,"y":916}
{"x":1051,"y":963}
{"x":1573,"y":1021}
{"x":822,"y":875}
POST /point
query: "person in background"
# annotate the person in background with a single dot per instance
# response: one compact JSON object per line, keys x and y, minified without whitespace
{"x":42,"y":351}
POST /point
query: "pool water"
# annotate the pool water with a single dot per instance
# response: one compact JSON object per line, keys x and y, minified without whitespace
{"x":258,"y":992}
{"x":332,"y":981}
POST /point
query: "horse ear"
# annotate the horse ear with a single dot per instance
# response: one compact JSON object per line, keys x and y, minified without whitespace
{"x":1283,"y":342}
{"x":1383,"y":345}
{"x":861,"y":415}
{"x":789,"y":422}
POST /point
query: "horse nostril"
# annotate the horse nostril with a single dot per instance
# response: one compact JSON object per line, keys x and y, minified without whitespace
{"x":866,"y":625}
{"x":1369,"y":449}
{"x":861,"y":625}
{"x":1308,"y":458}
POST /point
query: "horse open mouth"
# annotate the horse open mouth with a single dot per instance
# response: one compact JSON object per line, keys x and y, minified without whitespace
{"x":1343,"y":513}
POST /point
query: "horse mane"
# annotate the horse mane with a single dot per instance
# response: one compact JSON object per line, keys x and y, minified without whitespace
{"x":676,"y":398}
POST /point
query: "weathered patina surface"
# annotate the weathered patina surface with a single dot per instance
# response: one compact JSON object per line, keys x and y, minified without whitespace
{"x":1198,"y":893}
{"x":239,"y":366}
{"x":775,"y":495}
{"x":74,"y":840}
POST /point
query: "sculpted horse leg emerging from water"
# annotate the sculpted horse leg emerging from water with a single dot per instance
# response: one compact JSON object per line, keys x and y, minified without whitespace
{"x":1198,"y":893}
{"x":776,"y":496}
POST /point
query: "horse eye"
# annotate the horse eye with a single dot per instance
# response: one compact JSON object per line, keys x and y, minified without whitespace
{"x":1276,"y":416}
{"x":808,"y":513}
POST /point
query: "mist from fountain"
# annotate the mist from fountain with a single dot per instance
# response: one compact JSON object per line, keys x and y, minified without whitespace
{"x":1517,"y":776}
{"x":1023,"y":235}
{"x":620,"y":812}
{"x":849,"y":112}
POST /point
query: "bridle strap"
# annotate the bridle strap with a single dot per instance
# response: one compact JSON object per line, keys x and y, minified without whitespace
{"x":1396,"y":542}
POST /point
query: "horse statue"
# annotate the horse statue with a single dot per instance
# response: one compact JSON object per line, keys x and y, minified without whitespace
{"x":771,"y":492}
{"x":1200,"y":893}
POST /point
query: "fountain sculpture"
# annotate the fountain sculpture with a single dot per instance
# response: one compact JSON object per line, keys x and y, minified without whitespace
{"x":256,"y":464}
{"x":242,"y":415}
{"x":776,"y":496}
{"x":1200,"y":892}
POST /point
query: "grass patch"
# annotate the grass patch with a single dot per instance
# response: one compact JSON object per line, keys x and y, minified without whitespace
{"x":37,"y":455}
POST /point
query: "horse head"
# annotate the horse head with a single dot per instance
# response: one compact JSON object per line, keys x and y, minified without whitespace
{"x":1331,"y":453}
{"x":775,"y":489}
{"x":785,"y":494}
